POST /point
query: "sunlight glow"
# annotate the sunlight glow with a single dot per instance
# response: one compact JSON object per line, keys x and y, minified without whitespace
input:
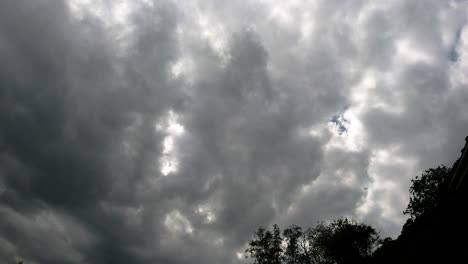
{"x":216,"y":36}
{"x":176,"y":222}
{"x":406,"y":50}
{"x":172,"y":129}
{"x":207,"y":213}
{"x":353,"y":138}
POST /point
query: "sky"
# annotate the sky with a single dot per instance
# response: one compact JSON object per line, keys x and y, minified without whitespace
{"x":140,"y":131}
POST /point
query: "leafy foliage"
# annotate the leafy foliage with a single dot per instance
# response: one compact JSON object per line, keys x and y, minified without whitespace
{"x":298,"y":247}
{"x":425,"y":191}
{"x":341,"y":241}
{"x":265,"y":248}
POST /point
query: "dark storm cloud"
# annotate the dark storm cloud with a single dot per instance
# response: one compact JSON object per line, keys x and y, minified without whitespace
{"x":95,"y":96}
{"x":68,"y":107}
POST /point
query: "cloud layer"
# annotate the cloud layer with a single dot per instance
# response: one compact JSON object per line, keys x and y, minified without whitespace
{"x":167,"y":131}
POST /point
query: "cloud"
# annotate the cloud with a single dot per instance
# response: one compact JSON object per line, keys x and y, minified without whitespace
{"x":168,"y":131}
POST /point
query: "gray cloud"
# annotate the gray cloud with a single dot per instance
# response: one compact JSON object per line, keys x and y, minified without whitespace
{"x":168,"y":131}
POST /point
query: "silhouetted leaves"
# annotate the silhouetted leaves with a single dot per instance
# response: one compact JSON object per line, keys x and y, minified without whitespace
{"x":265,"y":248}
{"x":341,"y":241}
{"x":425,"y":191}
{"x":298,"y":247}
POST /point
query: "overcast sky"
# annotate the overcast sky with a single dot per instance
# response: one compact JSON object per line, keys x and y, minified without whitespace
{"x":139,"y":131}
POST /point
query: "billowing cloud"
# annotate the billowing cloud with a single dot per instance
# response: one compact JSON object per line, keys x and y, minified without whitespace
{"x":167,"y":131}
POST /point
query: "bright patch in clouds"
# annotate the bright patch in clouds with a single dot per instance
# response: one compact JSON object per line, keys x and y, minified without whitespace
{"x":172,"y":129}
{"x":176,"y":222}
{"x":207,"y":213}
{"x":117,"y":12}
{"x":408,"y":52}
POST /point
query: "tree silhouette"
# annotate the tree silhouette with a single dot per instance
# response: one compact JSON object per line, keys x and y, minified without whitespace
{"x":342,"y":241}
{"x":265,"y":247}
{"x":298,"y":247}
{"x":425,"y":191}
{"x":436,"y":232}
